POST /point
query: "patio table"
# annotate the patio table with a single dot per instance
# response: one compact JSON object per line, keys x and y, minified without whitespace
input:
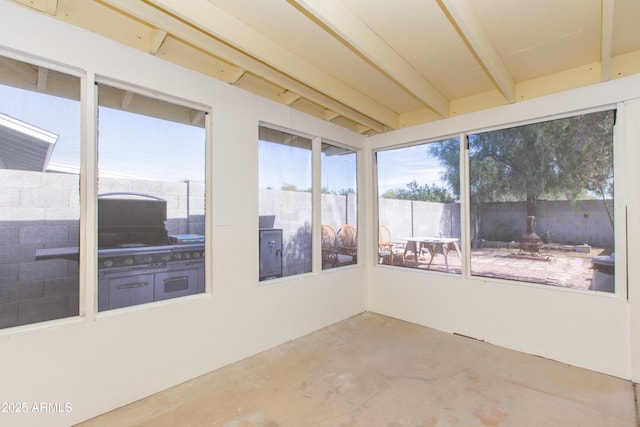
{"x":434,"y":245}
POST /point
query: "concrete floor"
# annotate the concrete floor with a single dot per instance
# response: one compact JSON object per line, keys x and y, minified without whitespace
{"x":372,"y":370}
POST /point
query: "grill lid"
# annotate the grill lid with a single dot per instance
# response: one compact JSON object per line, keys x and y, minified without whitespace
{"x":131,"y":220}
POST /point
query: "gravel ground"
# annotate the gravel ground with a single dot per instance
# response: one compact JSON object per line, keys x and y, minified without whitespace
{"x":556,"y":268}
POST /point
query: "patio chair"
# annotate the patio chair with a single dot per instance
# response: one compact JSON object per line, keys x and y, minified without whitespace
{"x":330,"y":253}
{"x":349,"y":237}
{"x":388,"y":250}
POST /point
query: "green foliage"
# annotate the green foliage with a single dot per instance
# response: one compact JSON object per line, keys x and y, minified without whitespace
{"x":425,"y":193}
{"x":342,"y":191}
{"x":565,"y":158}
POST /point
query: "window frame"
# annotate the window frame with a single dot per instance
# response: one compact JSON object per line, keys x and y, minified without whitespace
{"x":463,"y":203}
{"x":619,"y":198}
{"x":92,"y":202}
{"x":316,"y":170}
{"x":83,"y":79}
{"x":358,"y":156}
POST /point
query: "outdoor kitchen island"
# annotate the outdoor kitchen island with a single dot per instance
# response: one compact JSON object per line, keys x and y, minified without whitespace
{"x":138,"y":261}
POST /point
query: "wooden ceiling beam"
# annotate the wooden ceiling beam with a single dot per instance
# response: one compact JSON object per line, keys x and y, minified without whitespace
{"x":197,"y":38}
{"x":466,"y":22}
{"x":224,"y":26}
{"x":343,"y":24}
{"x":606,"y":39}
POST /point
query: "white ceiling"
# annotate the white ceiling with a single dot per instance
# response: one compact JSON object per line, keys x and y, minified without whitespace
{"x":374,"y":66}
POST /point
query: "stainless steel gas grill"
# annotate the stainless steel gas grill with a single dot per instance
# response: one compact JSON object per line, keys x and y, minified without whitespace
{"x":138,"y":261}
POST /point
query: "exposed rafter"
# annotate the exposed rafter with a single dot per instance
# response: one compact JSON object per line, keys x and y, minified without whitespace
{"x":466,"y":22}
{"x":217,"y":49}
{"x":226,"y":27}
{"x":606,"y":39}
{"x":289,"y":97}
{"x":51,"y":7}
{"x":157,"y":39}
{"x":329,"y":115}
{"x":237,"y":76}
{"x":356,"y":35}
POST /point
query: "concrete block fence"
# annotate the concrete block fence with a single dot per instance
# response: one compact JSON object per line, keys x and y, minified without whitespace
{"x":42,"y":210}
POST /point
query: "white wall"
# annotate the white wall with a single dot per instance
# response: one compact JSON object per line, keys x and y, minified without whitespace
{"x":100,"y":362}
{"x":582,"y":328}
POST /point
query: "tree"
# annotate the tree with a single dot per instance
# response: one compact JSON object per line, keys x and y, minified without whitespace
{"x":425,"y":193}
{"x":558,"y":158}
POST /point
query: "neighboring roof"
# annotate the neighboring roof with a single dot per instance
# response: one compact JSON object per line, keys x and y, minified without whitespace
{"x":374,"y":66}
{"x":24,"y":146}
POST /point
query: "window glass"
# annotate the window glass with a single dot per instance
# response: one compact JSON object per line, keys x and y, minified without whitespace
{"x":40,"y":199}
{"x":151,"y":199}
{"x":339,"y":206}
{"x":542,"y":202}
{"x":285,"y":204}
{"x":418,"y":206}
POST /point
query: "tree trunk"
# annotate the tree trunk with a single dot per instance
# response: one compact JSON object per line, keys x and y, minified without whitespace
{"x":531,"y":206}
{"x":606,"y":207}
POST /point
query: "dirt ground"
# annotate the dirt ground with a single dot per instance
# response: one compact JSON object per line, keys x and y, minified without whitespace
{"x":555,"y":268}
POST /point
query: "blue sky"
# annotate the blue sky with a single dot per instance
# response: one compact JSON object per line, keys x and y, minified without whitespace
{"x":283,"y":164}
{"x":137,"y":145}
{"x":129,"y":144}
{"x":398,"y":167}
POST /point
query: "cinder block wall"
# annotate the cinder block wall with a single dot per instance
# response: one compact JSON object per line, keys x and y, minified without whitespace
{"x":578,"y":222}
{"x":406,"y":218}
{"x":37,"y":211}
{"x":583,"y":221}
{"x":41,"y":210}
{"x":292,"y":212}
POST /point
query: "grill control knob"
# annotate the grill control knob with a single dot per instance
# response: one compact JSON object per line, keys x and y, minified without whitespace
{"x":196,"y":254}
{"x":147,"y":260}
{"x":187,"y":255}
{"x":177,"y":255}
{"x":165,"y":258}
{"x":107,"y":263}
{"x":128,"y":261}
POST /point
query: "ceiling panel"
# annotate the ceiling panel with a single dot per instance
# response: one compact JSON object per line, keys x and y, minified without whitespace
{"x":536,"y":38}
{"x":626,"y":31}
{"x":423,"y":36}
{"x":376,"y":66}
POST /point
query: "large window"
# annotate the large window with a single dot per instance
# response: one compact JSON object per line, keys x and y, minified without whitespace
{"x":151,"y":199}
{"x":542,"y":202}
{"x":339,"y":206}
{"x":39,"y":199}
{"x":285,"y":203}
{"x":541,"y":205}
{"x":418,"y":206}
